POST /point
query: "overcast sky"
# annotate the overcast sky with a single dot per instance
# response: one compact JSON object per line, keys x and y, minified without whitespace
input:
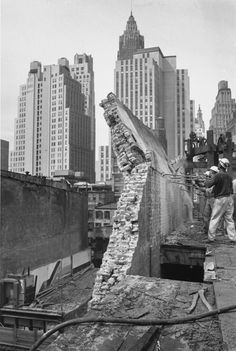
{"x":201,"y":33}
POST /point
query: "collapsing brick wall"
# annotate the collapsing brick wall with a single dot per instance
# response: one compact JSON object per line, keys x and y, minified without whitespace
{"x":150,"y":206}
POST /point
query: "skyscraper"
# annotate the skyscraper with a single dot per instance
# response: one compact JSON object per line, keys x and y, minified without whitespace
{"x":183,"y":109}
{"x":52,"y":131}
{"x":82,"y":71}
{"x":222,"y":111}
{"x":145,"y":81}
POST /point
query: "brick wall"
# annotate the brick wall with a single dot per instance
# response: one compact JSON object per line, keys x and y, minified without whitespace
{"x":151,"y":204}
{"x":40,"y":222}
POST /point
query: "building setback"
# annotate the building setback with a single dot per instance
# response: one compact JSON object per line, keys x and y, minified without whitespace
{"x":52,"y":130}
{"x":145,"y":81}
{"x":222,"y":111}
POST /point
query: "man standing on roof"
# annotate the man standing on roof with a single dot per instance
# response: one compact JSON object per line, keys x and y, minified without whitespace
{"x":209,"y":194}
{"x":223,"y":205}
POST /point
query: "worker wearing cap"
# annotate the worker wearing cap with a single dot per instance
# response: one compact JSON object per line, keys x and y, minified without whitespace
{"x":209,"y":194}
{"x":223,"y":206}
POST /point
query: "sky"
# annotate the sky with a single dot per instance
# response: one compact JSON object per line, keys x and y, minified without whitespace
{"x":201,"y":33}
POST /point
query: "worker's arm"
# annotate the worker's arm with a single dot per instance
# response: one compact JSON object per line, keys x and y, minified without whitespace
{"x":210,"y":182}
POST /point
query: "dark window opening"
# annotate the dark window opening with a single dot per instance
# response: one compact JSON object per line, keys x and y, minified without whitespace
{"x":182,"y":272}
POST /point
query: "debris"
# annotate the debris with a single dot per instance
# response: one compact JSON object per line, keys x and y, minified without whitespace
{"x":195,"y":299}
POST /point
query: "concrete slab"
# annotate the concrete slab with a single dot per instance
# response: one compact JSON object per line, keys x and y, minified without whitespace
{"x":147,"y":298}
{"x":225,"y":291}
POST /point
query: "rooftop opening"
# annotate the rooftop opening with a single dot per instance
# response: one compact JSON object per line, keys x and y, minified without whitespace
{"x":183,"y":263}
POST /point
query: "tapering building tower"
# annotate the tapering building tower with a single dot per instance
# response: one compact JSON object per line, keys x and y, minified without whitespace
{"x":199,"y":124}
{"x":145,"y":81}
{"x":222,"y":111}
{"x":52,"y":131}
{"x":130,"y":41}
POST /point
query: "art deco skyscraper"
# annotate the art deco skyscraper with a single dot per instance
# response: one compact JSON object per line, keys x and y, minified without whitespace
{"x":52,"y":131}
{"x":145,"y":81}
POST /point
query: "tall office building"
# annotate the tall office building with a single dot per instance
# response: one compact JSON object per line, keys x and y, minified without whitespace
{"x":183,"y":109}
{"x":145,"y":81}
{"x":192,"y":115}
{"x":82,"y":71}
{"x":104,"y":164}
{"x":199,"y":124}
{"x":52,"y":131}
{"x":222,"y":111}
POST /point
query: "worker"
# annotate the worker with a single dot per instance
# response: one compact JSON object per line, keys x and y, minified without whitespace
{"x":223,"y":206}
{"x":209,"y":194}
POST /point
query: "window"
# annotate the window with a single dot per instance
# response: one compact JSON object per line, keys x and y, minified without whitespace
{"x":99,"y":215}
{"x":107,"y":215}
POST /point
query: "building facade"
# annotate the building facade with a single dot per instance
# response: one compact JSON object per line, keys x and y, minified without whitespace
{"x":104,"y":164}
{"x":199,"y":124}
{"x":222,"y":111}
{"x":52,"y":130}
{"x":4,"y":145}
{"x":183,"y":109}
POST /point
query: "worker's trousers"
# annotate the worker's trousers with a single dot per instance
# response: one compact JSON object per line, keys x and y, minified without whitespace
{"x":207,"y":212}
{"x":223,"y":207}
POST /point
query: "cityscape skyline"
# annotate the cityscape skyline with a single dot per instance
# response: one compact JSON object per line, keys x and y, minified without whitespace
{"x":208,"y":50}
